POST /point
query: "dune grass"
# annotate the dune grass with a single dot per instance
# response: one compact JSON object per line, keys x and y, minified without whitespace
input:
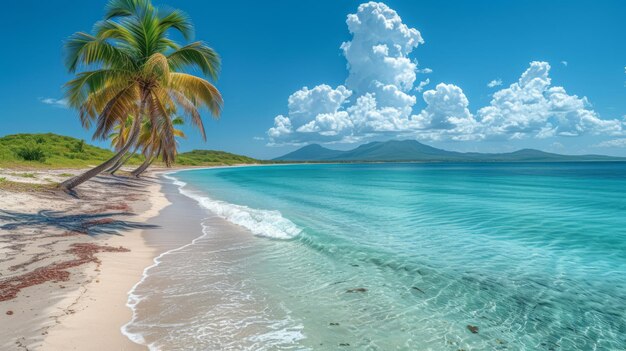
{"x":21,"y":187}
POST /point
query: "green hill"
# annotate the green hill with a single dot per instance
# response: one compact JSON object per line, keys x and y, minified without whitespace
{"x":50,"y":151}
{"x":57,"y":151}
{"x":211,"y":158}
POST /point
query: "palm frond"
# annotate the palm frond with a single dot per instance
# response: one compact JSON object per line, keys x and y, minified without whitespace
{"x":85,"y":49}
{"x":191,"y":112}
{"x":198,"y":91}
{"x":178,"y":20}
{"x":125,"y":8}
{"x":196,"y":55}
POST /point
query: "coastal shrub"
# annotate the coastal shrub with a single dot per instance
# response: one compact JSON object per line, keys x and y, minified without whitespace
{"x":79,"y":146}
{"x":31,"y":154}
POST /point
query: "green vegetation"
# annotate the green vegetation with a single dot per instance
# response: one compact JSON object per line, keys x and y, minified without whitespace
{"x":24,"y":175}
{"x":21,"y":187}
{"x":211,"y":158}
{"x":56,"y":152}
{"x":130,"y":66}
{"x":62,"y":152}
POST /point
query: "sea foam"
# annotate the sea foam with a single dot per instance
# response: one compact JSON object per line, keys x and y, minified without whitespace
{"x":265,"y":223}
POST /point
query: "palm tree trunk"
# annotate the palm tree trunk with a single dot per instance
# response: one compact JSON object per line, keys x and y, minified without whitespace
{"x":147,"y":163}
{"x":121,"y":162}
{"x":115,"y":166}
{"x":73,"y":182}
{"x":137,"y":172}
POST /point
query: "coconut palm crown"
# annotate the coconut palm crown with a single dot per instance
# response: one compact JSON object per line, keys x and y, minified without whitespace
{"x":129,"y":66}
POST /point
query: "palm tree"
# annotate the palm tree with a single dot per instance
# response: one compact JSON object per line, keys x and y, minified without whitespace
{"x":118,"y":139}
{"x":132,"y":68}
{"x":153,"y":148}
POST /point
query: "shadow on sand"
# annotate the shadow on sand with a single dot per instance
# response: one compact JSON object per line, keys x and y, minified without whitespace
{"x":90,"y":224}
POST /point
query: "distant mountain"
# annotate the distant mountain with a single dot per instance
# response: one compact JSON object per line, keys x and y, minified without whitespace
{"x":411,"y":150}
{"x":313,"y":152}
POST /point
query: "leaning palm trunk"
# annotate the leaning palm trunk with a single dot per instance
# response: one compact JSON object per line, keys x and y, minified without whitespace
{"x":147,"y":163}
{"x":121,"y":162}
{"x":117,"y":164}
{"x":73,"y":182}
{"x":153,"y":156}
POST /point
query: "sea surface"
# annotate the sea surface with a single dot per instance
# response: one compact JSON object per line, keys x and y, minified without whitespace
{"x":521,"y":256}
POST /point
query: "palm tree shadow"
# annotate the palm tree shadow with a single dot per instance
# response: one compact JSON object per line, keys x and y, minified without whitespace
{"x":90,"y":224}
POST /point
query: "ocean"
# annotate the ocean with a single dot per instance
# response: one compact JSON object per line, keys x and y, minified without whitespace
{"x":500,"y":256}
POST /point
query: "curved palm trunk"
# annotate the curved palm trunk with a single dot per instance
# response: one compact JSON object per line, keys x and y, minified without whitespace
{"x":147,"y":163}
{"x":116,"y":166}
{"x":121,"y":162}
{"x":73,"y":182}
{"x":144,"y":166}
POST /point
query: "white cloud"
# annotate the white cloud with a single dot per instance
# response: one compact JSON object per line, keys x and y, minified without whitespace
{"x":380,"y":78}
{"x":495,"y":83}
{"x":377,"y":97}
{"x":422,"y":85}
{"x":311,"y":111}
{"x":532,"y":107}
{"x":258,"y":138}
{"x":612,"y":143}
{"x":54,"y":102}
{"x":564,"y":63}
{"x":425,"y":70}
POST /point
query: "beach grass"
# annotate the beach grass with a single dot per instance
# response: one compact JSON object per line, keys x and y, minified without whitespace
{"x":22,"y":187}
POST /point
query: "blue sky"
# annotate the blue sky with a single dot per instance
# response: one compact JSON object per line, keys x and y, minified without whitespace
{"x":270,"y":52}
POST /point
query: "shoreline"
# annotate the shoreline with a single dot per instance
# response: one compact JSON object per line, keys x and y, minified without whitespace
{"x":91,"y":308}
{"x":75,"y":300}
{"x":101,"y":310}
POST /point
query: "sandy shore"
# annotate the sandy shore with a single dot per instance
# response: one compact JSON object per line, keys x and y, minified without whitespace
{"x":67,"y":264}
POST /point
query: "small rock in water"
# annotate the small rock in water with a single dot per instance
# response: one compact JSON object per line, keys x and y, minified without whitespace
{"x":332,"y":323}
{"x":472,"y":328}
{"x":9,"y":313}
{"x":356,"y":290}
{"x":418,"y":289}
{"x":354,"y":265}
{"x":344,"y":344}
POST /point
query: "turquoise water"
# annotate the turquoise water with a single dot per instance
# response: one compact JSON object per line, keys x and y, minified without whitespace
{"x":409,"y":256}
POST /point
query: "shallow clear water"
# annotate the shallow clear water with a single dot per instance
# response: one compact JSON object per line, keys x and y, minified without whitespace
{"x":534,"y":255}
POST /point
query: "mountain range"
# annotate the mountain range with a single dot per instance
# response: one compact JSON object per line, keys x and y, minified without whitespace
{"x":414,"y":151}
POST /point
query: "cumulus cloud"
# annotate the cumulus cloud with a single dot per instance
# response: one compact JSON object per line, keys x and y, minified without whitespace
{"x":380,"y":79}
{"x":494,"y":83}
{"x":612,"y":143}
{"x":54,"y":102}
{"x":420,"y":87}
{"x":312,"y":112}
{"x":533,"y":107}
{"x":377,"y":97}
{"x":425,"y":70}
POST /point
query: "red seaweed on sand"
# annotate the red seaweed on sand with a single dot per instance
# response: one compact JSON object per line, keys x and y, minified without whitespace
{"x":84,"y":253}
